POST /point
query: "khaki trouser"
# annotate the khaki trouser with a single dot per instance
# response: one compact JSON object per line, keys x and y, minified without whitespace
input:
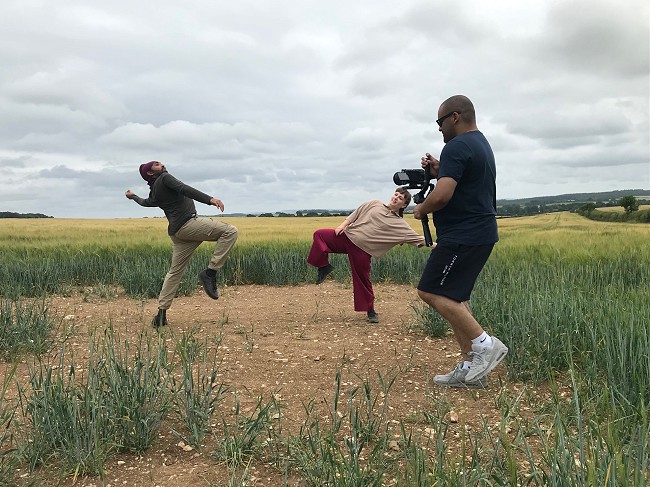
{"x":185,"y":242}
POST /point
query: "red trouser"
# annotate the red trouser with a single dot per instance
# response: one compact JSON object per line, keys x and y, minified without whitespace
{"x":327,"y":242}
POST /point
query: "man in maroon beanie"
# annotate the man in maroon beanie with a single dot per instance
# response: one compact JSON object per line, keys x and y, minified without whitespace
{"x":186,"y":231}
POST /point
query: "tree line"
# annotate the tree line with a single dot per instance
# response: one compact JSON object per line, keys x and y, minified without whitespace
{"x":301,"y":213}
{"x":631,"y":214}
{"x":629,"y":203}
{"x":11,"y":214}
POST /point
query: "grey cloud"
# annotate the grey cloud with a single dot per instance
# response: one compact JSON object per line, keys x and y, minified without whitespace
{"x":606,"y":37}
{"x":366,"y":138}
{"x":58,"y":172}
{"x":184,"y":132}
{"x":606,"y":156}
{"x":7,"y":162}
{"x":59,"y":142}
{"x":71,"y":86}
{"x":218,"y":145}
{"x":549,"y":128}
{"x":91,"y":179}
{"x":217,"y":172}
{"x":445,"y":25}
{"x":44,"y":119}
{"x":397,"y":34}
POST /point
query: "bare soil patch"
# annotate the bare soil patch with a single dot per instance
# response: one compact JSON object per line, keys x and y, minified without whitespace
{"x":288,"y":341}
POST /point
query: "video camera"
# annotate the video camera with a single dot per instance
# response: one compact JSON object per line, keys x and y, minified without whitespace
{"x":417,"y":179}
{"x":414,"y":179}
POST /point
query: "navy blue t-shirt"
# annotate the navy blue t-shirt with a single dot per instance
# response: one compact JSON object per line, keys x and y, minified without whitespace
{"x":469,"y":218}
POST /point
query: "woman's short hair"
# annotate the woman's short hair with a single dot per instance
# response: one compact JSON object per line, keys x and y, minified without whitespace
{"x":407,"y":199}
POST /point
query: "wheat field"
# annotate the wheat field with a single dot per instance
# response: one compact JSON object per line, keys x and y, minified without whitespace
{"x":570,"y":296}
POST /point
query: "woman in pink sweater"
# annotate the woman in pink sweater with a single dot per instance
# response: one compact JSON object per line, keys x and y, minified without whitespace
{"x":370,"y":231}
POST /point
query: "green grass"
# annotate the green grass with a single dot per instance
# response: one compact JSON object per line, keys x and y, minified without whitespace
{"x":25,"y":327}
{"x":585,"y":438}
{"x":9,"y":460}
{"x":77,"y":415}
{"x":197,"y":392}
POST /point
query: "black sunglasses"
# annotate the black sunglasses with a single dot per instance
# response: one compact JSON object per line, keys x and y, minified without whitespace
{"x":442,"y":119}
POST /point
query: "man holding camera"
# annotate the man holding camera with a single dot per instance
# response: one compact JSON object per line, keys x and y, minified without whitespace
{"x":463,"y":204}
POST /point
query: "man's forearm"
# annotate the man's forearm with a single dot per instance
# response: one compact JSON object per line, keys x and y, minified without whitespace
{"x":142,"y":201}
{"x":432,"y":204}
{"x":439,"y":197}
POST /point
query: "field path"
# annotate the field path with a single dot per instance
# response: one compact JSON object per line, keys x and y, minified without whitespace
{"x":287,"y":341}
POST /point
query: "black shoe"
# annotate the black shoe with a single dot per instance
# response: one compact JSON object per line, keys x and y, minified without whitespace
{"x":373,"y":317}
{"x":160,"y":319}
{"x":209,"y":284}
{"x":323,"y":272}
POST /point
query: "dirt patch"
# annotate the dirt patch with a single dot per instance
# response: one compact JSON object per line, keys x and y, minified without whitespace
{"x":288,"y":341}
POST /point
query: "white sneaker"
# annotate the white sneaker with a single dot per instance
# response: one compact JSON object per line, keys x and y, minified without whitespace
{"x":457,"y":378}
{"x":484,"y":359}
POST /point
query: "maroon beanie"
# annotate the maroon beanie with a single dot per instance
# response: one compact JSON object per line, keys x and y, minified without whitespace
{"x":144,"y":169}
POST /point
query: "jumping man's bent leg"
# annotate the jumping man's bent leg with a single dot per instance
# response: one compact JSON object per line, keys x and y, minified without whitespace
{"x":207,"y":229}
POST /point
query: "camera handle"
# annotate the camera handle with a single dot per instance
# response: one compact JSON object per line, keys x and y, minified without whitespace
{"x":428,"y":241}
{"x":419,"y":198}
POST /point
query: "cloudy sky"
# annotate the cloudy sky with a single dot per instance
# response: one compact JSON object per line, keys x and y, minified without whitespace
{"x":276,"y":105}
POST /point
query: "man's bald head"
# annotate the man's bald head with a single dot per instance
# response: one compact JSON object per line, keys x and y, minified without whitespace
{"x":462,"y":105}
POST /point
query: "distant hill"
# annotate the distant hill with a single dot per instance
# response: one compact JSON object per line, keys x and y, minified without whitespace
{"x":606,"y":196}
{"x":567,"y":202}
